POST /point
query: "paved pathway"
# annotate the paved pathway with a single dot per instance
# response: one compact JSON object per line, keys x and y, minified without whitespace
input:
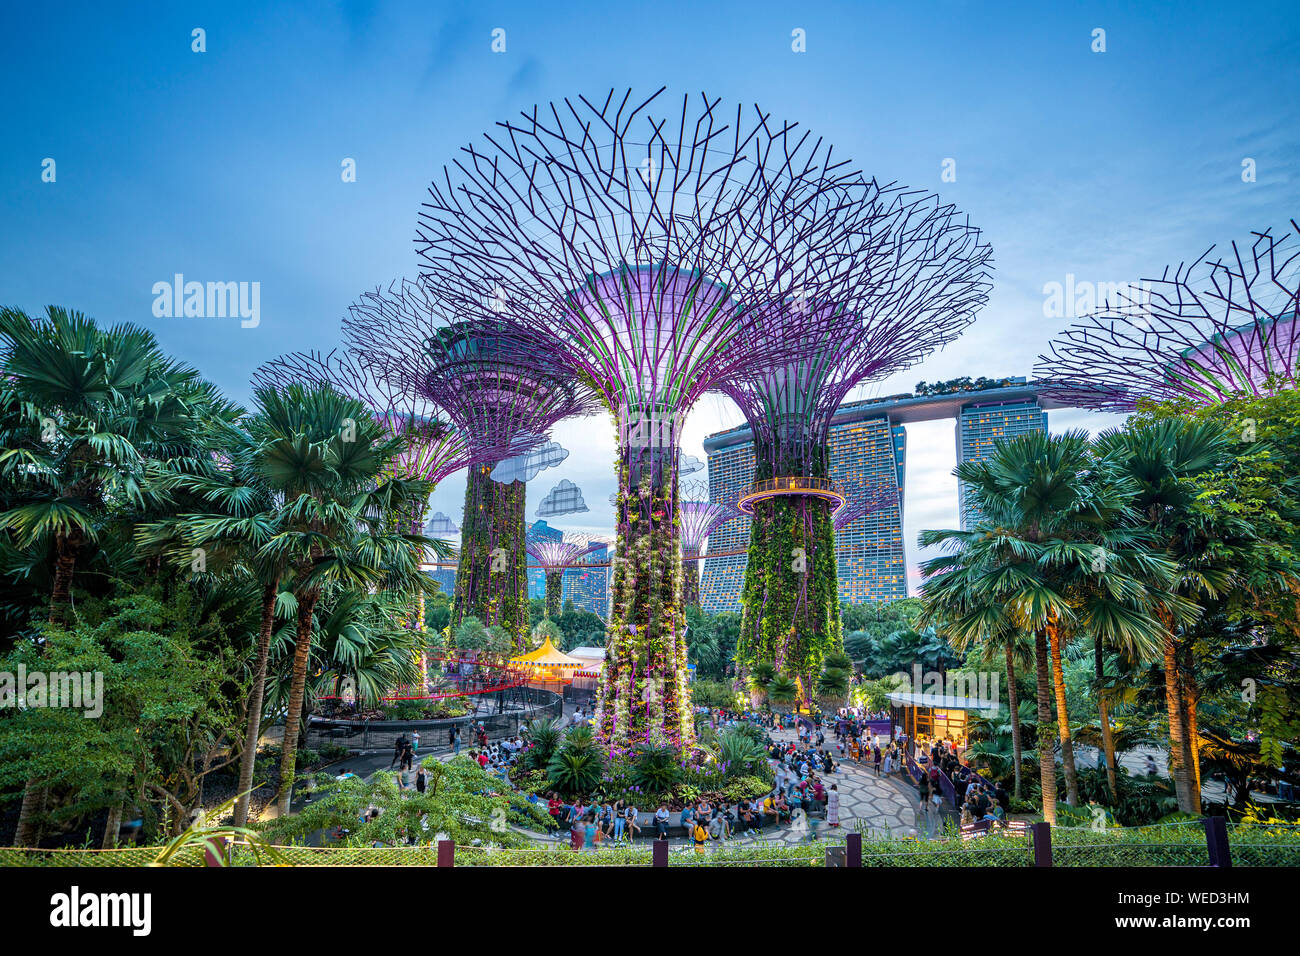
{"x":884,"y":805}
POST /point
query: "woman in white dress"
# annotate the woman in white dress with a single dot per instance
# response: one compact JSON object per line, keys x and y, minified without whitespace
{"x":833,"y":806}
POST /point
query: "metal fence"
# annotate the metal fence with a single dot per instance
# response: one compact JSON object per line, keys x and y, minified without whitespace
{"x":532,"y":704}
{"x":1205,"y":843}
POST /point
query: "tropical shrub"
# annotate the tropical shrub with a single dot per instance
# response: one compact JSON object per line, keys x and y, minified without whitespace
{"x":833,"y":687}
{"x":575,"y":771}
{"x":545,"y":736}
{"x":783,"y":691}
{"x":740,"y":754}
{"x":656,"y":768}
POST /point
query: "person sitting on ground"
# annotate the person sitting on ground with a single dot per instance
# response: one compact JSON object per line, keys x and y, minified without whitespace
{"x":699,"y":836}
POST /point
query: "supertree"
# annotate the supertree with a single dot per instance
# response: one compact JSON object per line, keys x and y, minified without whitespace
{"x":876,"y":497}
{"x":504,"y":395}
{"x":901,"y":275}
{"x":435,"y":447}
{"x":554,"y":557}
{"x":1202,"y":332}
{"x":699,"y":517}
{"x":626,"y":233}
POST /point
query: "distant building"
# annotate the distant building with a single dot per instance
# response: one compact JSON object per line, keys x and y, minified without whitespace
{"x":588,"y":589}
{"x":446,"y":578}
{"x":868,"y":446}
{"x":980,"y":425}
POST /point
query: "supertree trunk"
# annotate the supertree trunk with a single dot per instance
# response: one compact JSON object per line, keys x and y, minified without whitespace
{"x":492,"y":577}
{"x":690,"y":579}
{"x":790,"y":604}
{"x":554,"y":592}
{"x":644,"y":695}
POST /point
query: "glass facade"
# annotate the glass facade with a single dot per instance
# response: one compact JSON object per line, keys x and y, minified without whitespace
{"x":979,"y":426}
{"x":865,"y":450}
{"x":589,"y":589}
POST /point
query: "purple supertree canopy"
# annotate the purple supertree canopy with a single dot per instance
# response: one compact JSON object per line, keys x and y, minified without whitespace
{"x":554,"y":555}
{"x":637,"y":239}
{"x":501,"y":389}
{"x":1202,"y":332}
{"x":875,"y":498}
{"x":699,"y":516}
{"x":906,"y":276}
{"x":437,"y":448}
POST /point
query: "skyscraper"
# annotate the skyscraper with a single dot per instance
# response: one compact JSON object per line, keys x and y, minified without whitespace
{"x":868,"y":446}
{"x":980,"y":425}
{"x":588,"y":589}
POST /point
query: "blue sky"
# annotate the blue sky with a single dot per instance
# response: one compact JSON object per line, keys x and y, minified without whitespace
{"x":225,"y":165}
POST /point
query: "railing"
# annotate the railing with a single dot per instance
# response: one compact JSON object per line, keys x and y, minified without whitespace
{"x":798,"y":485}
{"x":1210,"y":842}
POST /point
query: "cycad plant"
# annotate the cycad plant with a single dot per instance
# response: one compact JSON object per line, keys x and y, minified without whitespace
{"x":782,"y":691}
{"x":760,"y":676}
{"x":833,"y":687}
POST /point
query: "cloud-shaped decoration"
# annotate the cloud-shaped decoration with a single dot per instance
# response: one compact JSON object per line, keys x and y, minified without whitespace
{"x":440,"y":525}
{"x":525,"y":467}
{"x":564,"y":499}
{"x":688,"y":464}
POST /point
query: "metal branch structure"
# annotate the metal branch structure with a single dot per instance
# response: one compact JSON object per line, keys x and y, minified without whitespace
{"x":639,"y":236}
{"x":435,"y":448}
{"x":698,"y":518}
{"x":554,"y":557}
{"x":899,"y":274}
{"x":505,"y":394}
{"x":875,"y":498}
{"x":1205,"y":331}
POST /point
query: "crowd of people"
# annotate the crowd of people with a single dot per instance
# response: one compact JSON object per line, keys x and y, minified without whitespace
{"x":802,"y":792}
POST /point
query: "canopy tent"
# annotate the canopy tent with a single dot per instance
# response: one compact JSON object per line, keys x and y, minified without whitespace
{"x":548,"y":663}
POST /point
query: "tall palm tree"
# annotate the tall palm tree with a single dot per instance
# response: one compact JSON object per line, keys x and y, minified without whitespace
{"x":973,"y":621}
{"x":331,"y":464}
{"x":1161,"y":458}
{"x":94,"y":407}
{"x":1046,"y":512}
{"x":242,"y":516}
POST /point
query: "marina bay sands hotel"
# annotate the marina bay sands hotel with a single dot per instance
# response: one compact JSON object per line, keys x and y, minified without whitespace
{"x":868,"y":447}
